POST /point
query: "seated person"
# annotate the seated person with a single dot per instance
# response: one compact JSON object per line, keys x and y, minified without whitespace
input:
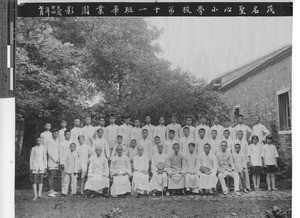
{"x":140,"y":181}
{"x":120,"y":170}
{"x":175,"y":168}
{"x":98,"y":173}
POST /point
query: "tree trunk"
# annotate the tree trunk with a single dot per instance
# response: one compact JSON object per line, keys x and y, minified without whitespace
{"x":19,"y":134}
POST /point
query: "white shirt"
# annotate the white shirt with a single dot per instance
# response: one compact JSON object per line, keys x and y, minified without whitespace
{"x":38,"y":158}
{"x":232,"y":135}
{"x":200,"y":145}
{"x":269,"y":153}
{"x":53,"y":153}
{"x":255,"y":152}
{"x":148,"y":147}
{"x":246,"y":129}
{"x":207,"y":131}
{"x":168,"y":146}
{"x":261,"y":131}
{"x":230,"y":144}
{"x":88,"y":132}
{"x":112,"y":133}
{"x":209,"y":161}
{"x":61,"y":134}
{"x":75,"y":132}
{"x":184,"y":144}
{"x":214,"y":146}
{"x":219,"y":128}
{"x":125,"y":132}
{"x":136,"y":133}
{"x":192,"y":134}
{"x":71,"y":162}
{"x":161,"y":131}
{"x":150,"y":129}
{"x":84,"y":152}
{"x":46,"y":136}
{"x":176,"y":127}
{"x":64,"y":148}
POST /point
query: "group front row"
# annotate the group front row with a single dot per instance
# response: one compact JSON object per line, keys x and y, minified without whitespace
{"x":174,"y":173}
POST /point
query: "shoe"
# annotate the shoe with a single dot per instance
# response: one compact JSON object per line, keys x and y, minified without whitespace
{"x":249,"y":189}
{"x":245,"y":190}
{"x":225,"y":192}
{"x":238,"y":193}
{"x":153,"y":194}
{"x":274,"y":189}
{"x":56,"y":193}
{"x":35,"y":198}
{"x":63,"y":195}
{"x":269,"y":189}
{"x":52,"y":195}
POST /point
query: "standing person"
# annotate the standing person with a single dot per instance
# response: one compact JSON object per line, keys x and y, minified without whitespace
{"x":227,"y":138}
{"x":125,"y":130}
{"x":255,"y":160}
{"x":88,"y":131}
{"x":259,"y":129}
{"x":226,"y":168}
{"x":63,"y":125}
{"x":176,"y":167}
{"x":136,"y":131}
{"x":102,"y":142}
{"x":269,"y":158}
{"x":147,"y":144}
{"x":149,"y":127}
{"x":214,"y":142}
{"x":232,"y":133}
{"x":175,"y":127}
{"x":112,"y":132}
{"x":38,"y":166}
{"x":64,"y":148}
{"x":240,"y":165}
{"x":120,"y":169}
{"x":53,"y":160}
{"x":202,"y":125}
{"x":161,"y":130}
{"x":76,"y":131}
{"x":140,"y":180}
{"x":241,"y":126}
{"x":101,"y":126}
{"x":219,"y":128}
{"x":70,"y":166}
{"x":168,"y":145}
{"x":185,"y":140}
{"x":46,"y":135}
{"x":201,"y":141}
{"x":189,"y":122}
{"x":192,"y":166}
{"x":159,"y":180}
{"x":207,"y":170}
{"x":119,"y":142}
{"x":98,"y":173}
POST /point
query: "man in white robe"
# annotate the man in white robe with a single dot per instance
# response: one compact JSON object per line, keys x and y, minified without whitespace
{"x":98,"y":173}
{"x":112,"y":132}
{"x":140,"y":180}
{"x":120,"y":170}
{"x":64,"y":148}
{"x":176,"y":167}
{"x":207,"y":170}
{"x":61,"y":132}
{"x":159,"y":180}
{"x":192,"y":166}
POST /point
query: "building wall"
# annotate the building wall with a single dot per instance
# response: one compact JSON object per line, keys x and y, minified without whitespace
{"x":257,"y":95}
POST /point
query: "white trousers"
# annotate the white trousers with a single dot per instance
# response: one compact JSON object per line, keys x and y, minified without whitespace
{"x":69,"y":177}
{"x":231,"y":174}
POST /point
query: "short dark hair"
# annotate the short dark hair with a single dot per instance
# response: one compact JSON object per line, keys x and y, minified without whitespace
{"x":225,"y":142}
{"x":207,"y":144}
{"x":66,"y":131}
{"x":237,"y":144}
{"x":171,"y":131}
{"x":176,"y":144}
{"x":157,"y":137}
{"x":55,"y":130}
{"x":269,"y":137}
{"x":226,"y":130}
{"x":202,"y":129}
{"x":191,"y":144}
{"x":145,"y":130}
{"x":254,"y":136}
{"x":241,"y":116}
{"x":186,"y":127}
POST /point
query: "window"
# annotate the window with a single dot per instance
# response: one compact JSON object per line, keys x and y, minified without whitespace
{"x":284,"y":110}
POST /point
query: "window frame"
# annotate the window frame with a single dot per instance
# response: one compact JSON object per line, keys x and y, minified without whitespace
{"x":280,"y":92}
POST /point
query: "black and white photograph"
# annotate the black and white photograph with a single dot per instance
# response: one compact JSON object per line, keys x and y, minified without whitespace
{"x":171,"y":109}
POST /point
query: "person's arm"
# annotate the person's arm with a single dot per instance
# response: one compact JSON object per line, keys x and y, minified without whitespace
{"x":51,"y":153}
{"x":263,"y":156}
{"x":106,"y":169}
{"x":266,"y":132}
{"x":231,"y":162}
{"x":215,"y":164}
{"x":76,"y":165}
{"x":276,"y":156}
{"x":128,"y":167}
{"x":31,"y":159}
{"x":90,"y":169}
{"x":45,"y":159}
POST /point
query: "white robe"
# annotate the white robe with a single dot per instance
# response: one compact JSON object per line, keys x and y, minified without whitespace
{"x":98,"y":174}
{"x":209,"y":161}
{"x":53,"y":153}
{"x":168,"y":146}
{"x":158,"y":180}
{"x":136,"y":133}
{"x":175,"y":166}
{"x":140,"y":180}
{"x":200,"y":145}
{"x":148,"y":147}
{"x":84,"y":153}
{"x":112,"y":133}
{"x":161,"y":132}
{"x":46,"y":136}
{"x":125,"y":132}
{"x":191,"y":176}
{"x":184,"y":144}
{"x":38,"y":159}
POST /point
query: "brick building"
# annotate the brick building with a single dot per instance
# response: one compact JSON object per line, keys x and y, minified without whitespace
{"x":263,"y":87}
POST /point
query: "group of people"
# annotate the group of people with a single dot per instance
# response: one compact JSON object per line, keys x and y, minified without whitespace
{"x":153,"y":159}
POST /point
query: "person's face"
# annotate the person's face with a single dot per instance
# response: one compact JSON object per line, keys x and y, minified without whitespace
{"x":173,"y":119}
{"x":206,"y":149}
{"x":127,"y":121}
{"x":119,"y":140}
{"x":161,"y":121}
{"x":48,"y":126}
{"x":203,"y":120}
{"x":72,"y":147}
{"x":160,"y":148}
{"x":189,"y":121}
{"x":240,"y":135}
{"x":63,"y":124}
{"x":119,"y":151}
{"x":145,"y":134}
{"x":148,"y":119}
{"x":256,"y":119}
{"x":202,"y":133}
{"x":191,"y":149}
{"x":176,"y":148}
{"x":156,"y":141}
{"x":98,"y":151}
{"x":39,"y":141}
{"x":133,"y":144}
{"x":100,"y":133}
{"x":88,"y":121}
{"x":55,"y":135}
{"x":81,"y":140}
{"x":223,"y":146}
{"x":101,"y":122}
{"x":112,"y":120}
{"x":240,"y":120}
{"x":186,"y":132}
{"x":67,"y":135}
{"x":137,"y":123}
{"x":269,"y":141}
{"x":77,"y":122}
{"x":216,"y":120}
{"x":237,"y":148}
{"x":226,"y":134}
{"x":140,"y":150}
{"x":255,"y":141}
{"x":214,"y":134}
{"x":171,"y":135}
{"x":227,"y":123}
